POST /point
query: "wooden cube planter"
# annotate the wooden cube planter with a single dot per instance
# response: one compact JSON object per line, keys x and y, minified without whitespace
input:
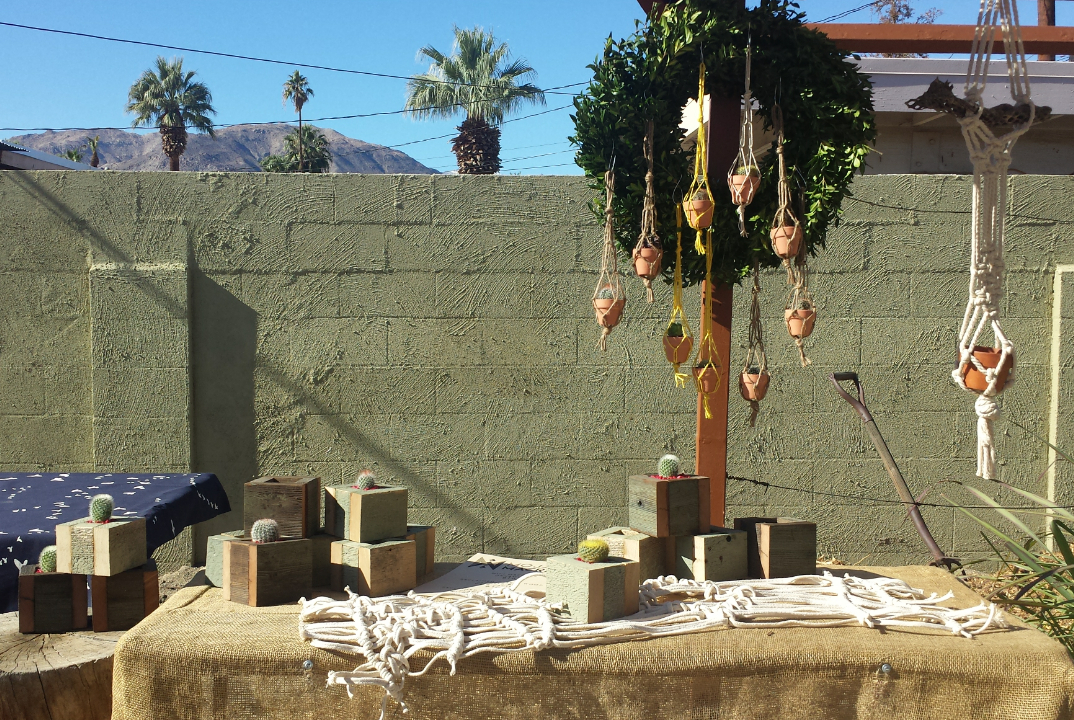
{"x":88,"y":548}
{"x":215,"y":547}
{"x":593,"y":592}
{"x":293,"y":502}
{"x":51,"y":602}
{"x":424,"y":537}
{"x":663,"y":507}
{"x":779,"y":547}
{"x":374,"y":569}
{"x":275,"y":573}
{"x":717,"y":556}
{"x":367,"y":516}
{"x":121,"y":601}
{"x":650,"y":552}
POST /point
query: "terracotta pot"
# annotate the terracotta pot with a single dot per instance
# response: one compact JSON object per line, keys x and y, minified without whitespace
{"x":609,"y":311}
{"x":678,"y":349}
{"x":800,"y":322}
{"x":698,"y":212}
{"x":753,"y":386}
{"x":743,"y":188}
{"x":786,"y":239}
{"x":988,"y":357}
{"x":647,"y":262}
{"x":707,"y":378}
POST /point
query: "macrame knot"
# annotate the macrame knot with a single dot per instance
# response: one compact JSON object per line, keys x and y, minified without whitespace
{"x":987,"y":411}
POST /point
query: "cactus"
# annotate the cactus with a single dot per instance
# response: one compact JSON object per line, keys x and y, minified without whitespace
{"x":47,"y":561}
{"x":366,"y":480}
{"x":593,"y":551}
{"x":265,"y":531}
{"x":100,"y":508}
{"x":606,"y":293}
{"x":674,"y":330}
{"x":668,"y":466}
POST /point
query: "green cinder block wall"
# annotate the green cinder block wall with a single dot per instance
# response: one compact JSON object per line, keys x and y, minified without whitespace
{"x":438,"y":330}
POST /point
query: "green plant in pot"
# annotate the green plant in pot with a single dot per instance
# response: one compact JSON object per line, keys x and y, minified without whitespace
{"x":753,"y":383}
{"x":800,"y":319}
{"x":744,"y":182}
{"x":608,"y":306}
{"x":677,"y":344}
{"x":706,"y":376}
{"x":698,"y":208}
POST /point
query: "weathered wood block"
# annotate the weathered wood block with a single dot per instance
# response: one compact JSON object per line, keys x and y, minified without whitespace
{"x":293,"y":502}
{"x":88,"y":548}
{"x":214,"y":556}
{"x":260,"y":574}
{"x":121,"y":601}
{"x":374,"y":569}
{"x":779,"y":547}
{"x":717,"y":556}
{"x":424,"y":537}
{"x":51,"y":602}
{"x":663,"y":507}
{"x":322,"y":558}
{"x":367,"y":516}
{"x":593,"y":592}
{"x":650,"y":552}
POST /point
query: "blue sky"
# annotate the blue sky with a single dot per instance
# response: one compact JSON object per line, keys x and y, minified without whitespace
{"x":57,"y":81}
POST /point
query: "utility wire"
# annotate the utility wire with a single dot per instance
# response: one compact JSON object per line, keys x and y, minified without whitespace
{"x":845,"y":13}
{"x":536,"y":167}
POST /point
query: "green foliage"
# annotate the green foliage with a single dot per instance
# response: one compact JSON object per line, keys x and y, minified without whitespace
{"x":47,"y":560}
{"x":669,"y":466}
{"x":606,"y":293}
{"x":170,"y":97}
{"x":593,"y":551}
{"x":297,"y":89}
{"x":265,"y":531}
{"x":92,"y":144}
{"x":316,"y":155}
{"x":74,"y":154}
{"x":674,"y":330}
{"x":827,"y":111}
{"x":100,"y":509}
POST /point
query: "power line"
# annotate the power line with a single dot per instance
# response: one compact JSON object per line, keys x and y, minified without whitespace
{"x":536,"y":167}
{"x":840,"y":16}
{"x":522,"y":147}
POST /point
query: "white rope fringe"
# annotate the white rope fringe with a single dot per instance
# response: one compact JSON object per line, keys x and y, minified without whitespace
{"x":386,"y":632}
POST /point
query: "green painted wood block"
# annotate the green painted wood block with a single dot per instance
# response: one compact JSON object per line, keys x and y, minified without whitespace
{"x":664,"y":507}
{"x":593,"y":592}
{"x":214,"y":556}
{"x":424,"y":537}
{"x":650,"y":552}
{"x":374,"y":569}
{"x":717,"y":556}
{"x":779,"y":547}
{"x":84,"y":547}
{"x":367,"y":516}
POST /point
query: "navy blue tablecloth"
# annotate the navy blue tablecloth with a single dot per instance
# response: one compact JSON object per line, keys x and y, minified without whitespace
{"x":32,"y":504}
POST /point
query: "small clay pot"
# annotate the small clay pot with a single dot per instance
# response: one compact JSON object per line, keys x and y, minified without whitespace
{"x":786,"y":239}
{"x":608,"y":311}
{"x":743,"y":188}
{"x":647,"y":262}
{"x":698,"y":212}
{"x":800,"y":322}
{"x":678,"y":349}
{"x":988,"y":357}
{"x":753,"y":386}
{"x":707,"y":378}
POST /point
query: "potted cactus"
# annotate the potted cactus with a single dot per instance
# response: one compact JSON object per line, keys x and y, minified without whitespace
{"x":366,"y":481}
{"x":698,"y":209}
{"x":989,"y":357}
{"x":101,"y":507}
{"x":593,"y":551}
{"x":800,"y":319}
{"x":786,"y":239}
{"x":647,"y":258}
{"x":744,"y":182}
{"x":707,"y":377}
{"x":608,"y":305}
{"x":677,"y":345}
{"x":265,"y":531}
{"x":46,"y":562}
{"x":753,"y":383}
{"x":669,"y":466}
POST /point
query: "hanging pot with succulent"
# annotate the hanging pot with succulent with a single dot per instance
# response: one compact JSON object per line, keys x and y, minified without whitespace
{"x":649,"y":251}
{"x":744,"y":177}
{"x":754,"y":379}
{"x":609,"y":299}
{"x":678,"y":337}
{"x":786,"y":231}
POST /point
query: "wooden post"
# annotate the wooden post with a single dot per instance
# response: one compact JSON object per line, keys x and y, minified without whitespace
{"x":712,"y":432}
{"x":1046,"y":18}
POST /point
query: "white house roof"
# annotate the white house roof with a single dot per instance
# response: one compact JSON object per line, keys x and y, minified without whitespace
{"x":13,"y":157}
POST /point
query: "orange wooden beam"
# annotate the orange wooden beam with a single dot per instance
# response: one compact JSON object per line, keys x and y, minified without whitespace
{"x":926,"y":38}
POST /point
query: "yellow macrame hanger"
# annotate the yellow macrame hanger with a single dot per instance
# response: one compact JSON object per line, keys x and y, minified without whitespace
{"x":678,"y":337}
{"x":707,"y":362}
{"x":698,"y":203}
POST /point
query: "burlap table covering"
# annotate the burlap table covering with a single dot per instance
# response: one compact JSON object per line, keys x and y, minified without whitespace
{"x":199,"y":656}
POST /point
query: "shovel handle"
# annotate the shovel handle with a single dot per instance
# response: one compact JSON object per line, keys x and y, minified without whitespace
{"x":857,"y":403}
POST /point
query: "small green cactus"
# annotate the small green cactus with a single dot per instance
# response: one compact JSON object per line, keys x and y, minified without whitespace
{"x":366,"y":480}
{"x":668,"y":466}
{"x":47,"y":561}
{"x":100,"y":508}
{"x":606,"y":293}
{"x":593,"y":551}
{"x":674,"y":330}
{"x":265,"y":531}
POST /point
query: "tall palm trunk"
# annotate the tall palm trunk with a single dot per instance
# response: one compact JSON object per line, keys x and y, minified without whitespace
{"x":477,"y":147}
{"x":301,"y":161}
{"x":173,"y":142}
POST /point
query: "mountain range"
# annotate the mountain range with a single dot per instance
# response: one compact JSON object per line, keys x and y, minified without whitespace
{"x":237,"y":149}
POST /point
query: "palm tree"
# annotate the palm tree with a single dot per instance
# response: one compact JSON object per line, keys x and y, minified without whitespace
{"x":170,"y":100}
{"x":92,"y":143}
{"x":478,"y":79}
{"x":314,"y":147}
{"x":298,"y":90}
{"x":74,"y":155}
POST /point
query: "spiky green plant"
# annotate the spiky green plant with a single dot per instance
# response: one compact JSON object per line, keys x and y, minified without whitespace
{"x":171,"y":101}
{"x":47,"y":560}
{"x":265,"y":531}
{"x":668,"y":466}
{"x":606,"y":293}
{"x":101,"y":507}
{"x":366,"y":480}
{"x":674,"y":330}
{"x":297,"y":89}
{"x":593,"y":551}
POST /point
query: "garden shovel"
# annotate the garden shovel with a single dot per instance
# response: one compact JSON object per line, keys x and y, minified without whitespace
{"x":938,"y":558}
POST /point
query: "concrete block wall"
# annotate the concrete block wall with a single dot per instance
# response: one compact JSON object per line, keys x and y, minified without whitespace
{"x":439,"y":331}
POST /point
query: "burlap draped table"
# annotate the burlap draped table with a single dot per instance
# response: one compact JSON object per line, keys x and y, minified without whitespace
{"x":199,"y":656}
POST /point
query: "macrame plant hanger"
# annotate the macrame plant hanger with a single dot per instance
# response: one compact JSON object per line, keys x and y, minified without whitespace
{"x":786,"y":233}
{"x":678,"y":338}
{"x":698,"y":204}
{"x":649,"y":251}
{"x":753,"y":382}
{"x":609,"y":298}
{"x":744,"y":176}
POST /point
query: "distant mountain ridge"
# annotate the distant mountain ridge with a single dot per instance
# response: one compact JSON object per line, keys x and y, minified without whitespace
{"x":235,"y":149}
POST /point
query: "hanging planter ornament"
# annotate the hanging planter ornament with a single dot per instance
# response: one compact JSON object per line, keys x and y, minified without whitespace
{"x":786,"y":231}
{"x":678,"y":337}
{"x":707,"y":362}
{"x":609,"y":298}
{"x":801,"y":311}
{"x":649,"y":251}
{"x":744,"y":176}
{"x":754,"y":379}
{"x":698,"y":204}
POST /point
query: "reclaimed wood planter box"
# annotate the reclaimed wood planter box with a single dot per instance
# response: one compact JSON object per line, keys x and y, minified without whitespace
{"x":663,"y":507}
{"x":215,"y":547}
{"x":374,"y":569}
{"x":424,"y":537}
{"x":88,"y":548}
{"x":779,"y":547}
{"x":293,"y":502}
{"x":51,"y":602}
{"x":121,"y":601}
{"x":717,"y":556}
{"x":650,"y":552}
{"x":367,"y":516}
{"x":593,"y":592}
{"x":260,"y":574}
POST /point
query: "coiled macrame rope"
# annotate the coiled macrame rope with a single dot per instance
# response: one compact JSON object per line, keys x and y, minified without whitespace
{"x":386,"y":632}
